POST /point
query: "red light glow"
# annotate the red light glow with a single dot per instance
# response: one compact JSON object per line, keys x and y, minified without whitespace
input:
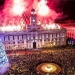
{"x":16,"y":12}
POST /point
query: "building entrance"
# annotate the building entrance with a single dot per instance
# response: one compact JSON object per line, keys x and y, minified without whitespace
{"x":34,"y":45}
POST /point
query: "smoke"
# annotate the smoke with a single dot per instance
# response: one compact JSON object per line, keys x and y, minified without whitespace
{"x":57,"y":6}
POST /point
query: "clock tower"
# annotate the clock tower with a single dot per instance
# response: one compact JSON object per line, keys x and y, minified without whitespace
{"x":33,"y":18}
{"x":33,"y":22}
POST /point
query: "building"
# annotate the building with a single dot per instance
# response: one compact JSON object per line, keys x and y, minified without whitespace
{"x":35,"y":36}
{"x":70,"y":34}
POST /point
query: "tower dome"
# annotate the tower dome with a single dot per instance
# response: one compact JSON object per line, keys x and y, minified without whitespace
{"x":33,"y":11}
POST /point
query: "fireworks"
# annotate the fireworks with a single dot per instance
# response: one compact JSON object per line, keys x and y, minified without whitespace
{"x":16,"y":12}
{"x":18,"y":7}
{"x":43,"y":9}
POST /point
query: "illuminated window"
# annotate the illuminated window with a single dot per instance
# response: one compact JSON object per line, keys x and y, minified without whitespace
{"x":57,"y":34}
{"x":42,"y":42}
{"x":11,"y":38}
{"x":46,"y":35}
{"x":54,"y":35}
{"x":39,"y":36}
{"x":6,"y":38}
{"x":54,"y":43}
{"x":24,"y":36}
{"x":62,"y":39}
{"x":12,"y":42}
{"x":57,"y":43}
{"x":63,"y":34}
{"x":50,"y":39}
{"x":54,"y":39}
{"x":42,"y":36}
{"x":46,"y":42}
{"x":36,"y":36}
{"x":33,"y":36}
{"x":20,"y":37}
{"x":15,"y":37}
{"x":62,"y":42}
{"x":50,"y":35}
{"x":29,"y":36}
{"x":57,"y":39}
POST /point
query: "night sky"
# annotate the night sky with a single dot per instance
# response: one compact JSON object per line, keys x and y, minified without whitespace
{"x":2,"y":2}
{"x":65,"y":6}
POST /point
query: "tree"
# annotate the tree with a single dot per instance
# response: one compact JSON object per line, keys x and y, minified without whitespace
{"x":4,"y":64}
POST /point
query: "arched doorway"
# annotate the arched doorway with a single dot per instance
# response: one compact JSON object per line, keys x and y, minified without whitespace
{"x":34,"y":45}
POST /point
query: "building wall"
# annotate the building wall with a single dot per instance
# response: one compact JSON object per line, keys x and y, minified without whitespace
{"x":24,"y":40}
{"x":70,"y":34}
{"x":33,"y":35}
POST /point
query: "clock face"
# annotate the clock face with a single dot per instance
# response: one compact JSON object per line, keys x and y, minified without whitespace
{"x":33,"y":12}
{"x":33,"y":20}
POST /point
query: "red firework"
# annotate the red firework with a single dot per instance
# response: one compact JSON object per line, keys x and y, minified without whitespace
{"x":16,"y":12}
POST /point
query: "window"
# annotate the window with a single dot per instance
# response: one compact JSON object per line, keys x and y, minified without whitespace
{"x":46,"y":35}
{"x":57,"y":43}
{"x":63,"y":34}
{"x":29,"y":36}
{"x":11,"y":38}
{"x":54,"y":39}
{"x":20,"y":37}
{"x":62,"y":39}
{"x":57,"y":39}
{"x":54,"y":35}
{"x":24,"y":36}
{"x":6,"y":38}
{"x":34,"y":36}
{"x":62,"y":42}
{"x":42,"y":41}
{"x":42,"y":36}
{"x":50,"y":35}
{"x":46,"y":41}
{"x":39,"y":36}
{"x":15,"y":37}
{"x":12,"y":42}
{"x":57,"y":34}
{"x":50,"y":39}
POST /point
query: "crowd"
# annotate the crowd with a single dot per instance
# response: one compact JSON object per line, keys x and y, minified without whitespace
{"x":26,"y":64}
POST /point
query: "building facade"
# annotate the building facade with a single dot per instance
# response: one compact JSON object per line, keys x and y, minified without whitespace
{"x":70,"y":34}
{"x":35,"y":36}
